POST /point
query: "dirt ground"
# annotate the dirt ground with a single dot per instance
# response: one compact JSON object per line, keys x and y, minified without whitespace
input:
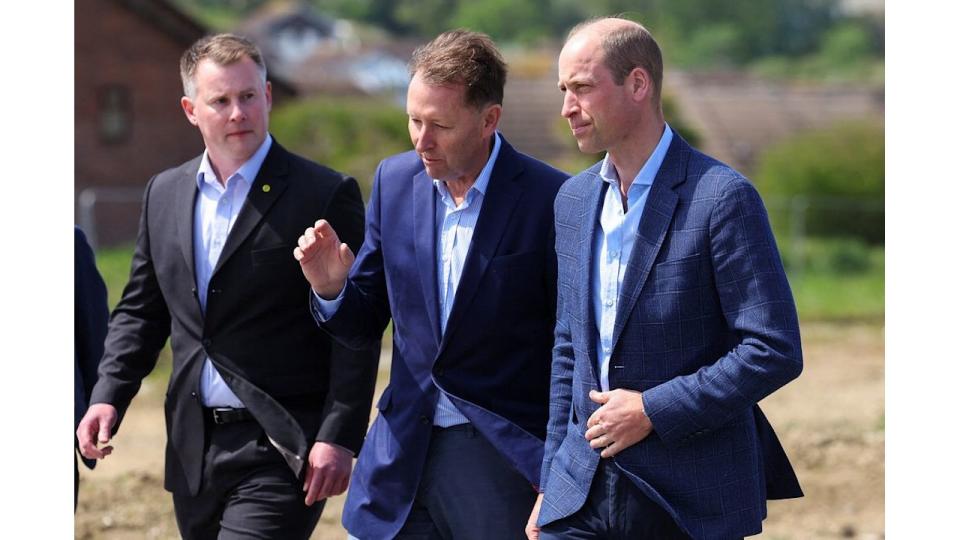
{"x":830,"y":420}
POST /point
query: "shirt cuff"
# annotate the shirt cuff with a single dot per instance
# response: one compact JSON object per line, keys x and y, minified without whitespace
{"x":326,"y":309}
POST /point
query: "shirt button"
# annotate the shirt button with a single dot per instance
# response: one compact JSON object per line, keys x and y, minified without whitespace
{"x":609,"y":303}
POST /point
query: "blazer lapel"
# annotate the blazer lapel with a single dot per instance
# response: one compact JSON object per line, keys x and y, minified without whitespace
{"x":500,"y":200}
{"x":656,"y":219}
{"x":592,"y":202}
{"x":266,"y":189}
{"x":186,"y":200}
{"x":425,"y":245}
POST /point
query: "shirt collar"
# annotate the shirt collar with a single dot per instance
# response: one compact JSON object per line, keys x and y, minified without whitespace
{"x":608,"y":173}
{"x":483,"y":179}
{"x":247,"y":172}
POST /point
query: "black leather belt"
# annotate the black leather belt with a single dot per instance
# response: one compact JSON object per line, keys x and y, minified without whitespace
{"x":227,"y":415}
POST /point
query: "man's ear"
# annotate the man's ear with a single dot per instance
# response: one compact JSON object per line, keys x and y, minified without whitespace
{"x":188,"y":109}
{"x":269,"y":95}
{"x":491,"y":118}
{"x":641,"y":84}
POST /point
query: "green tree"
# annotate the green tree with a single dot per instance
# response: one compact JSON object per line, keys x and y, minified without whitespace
{"x":839,"y":171}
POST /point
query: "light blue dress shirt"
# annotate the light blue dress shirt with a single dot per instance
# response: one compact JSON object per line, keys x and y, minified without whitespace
{"x":216,"y":211}
{"x":455,"y":226}
{"x":613,"y":244}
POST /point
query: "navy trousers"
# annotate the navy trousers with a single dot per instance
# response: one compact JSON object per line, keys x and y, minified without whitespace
{"x":615,"y":510}
{"x":468,"y":492}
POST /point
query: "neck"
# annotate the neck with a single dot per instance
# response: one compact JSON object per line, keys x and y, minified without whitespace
{"x":631,"y":155}
{"x":458,"y":187}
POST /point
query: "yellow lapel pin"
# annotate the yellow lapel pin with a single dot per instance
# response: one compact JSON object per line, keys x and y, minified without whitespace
{"x":266,"y":188}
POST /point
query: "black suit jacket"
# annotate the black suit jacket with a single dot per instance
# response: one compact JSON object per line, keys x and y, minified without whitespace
{"x":257,"y":328}
{"x":90,"y":314}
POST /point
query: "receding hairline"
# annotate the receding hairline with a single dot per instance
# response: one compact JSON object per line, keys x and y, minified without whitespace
{"x":600,"y":26}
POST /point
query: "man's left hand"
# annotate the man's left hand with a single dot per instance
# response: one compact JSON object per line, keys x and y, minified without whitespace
{"x":620,"y":422}
{"x":328,"y":472}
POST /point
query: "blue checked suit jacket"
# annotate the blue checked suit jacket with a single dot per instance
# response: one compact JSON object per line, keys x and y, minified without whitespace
{"x":706,"y":328}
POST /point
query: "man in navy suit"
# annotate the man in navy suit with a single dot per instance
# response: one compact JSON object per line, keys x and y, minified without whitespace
{"x":675,"y":319}
{"x":459,"y":254}
{"x":90,"y":314}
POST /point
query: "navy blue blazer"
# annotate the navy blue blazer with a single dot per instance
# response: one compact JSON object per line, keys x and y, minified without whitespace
{"x":493,"y":361}
{"x":706,"y":328}
{"x":90,"y":314}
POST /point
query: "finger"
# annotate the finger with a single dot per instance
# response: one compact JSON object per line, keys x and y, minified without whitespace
{"x":304,"y":242}
{"x":326,"y":487}
{"x":104,"y":434}
{"x":313,"y":491}
{"x":599,"y":442}
{"x":323,"y":229}
{"x":594,"y":432}
{"x":308,"y":477}
{"x":612,"y":450}
{"x":298,"y":253}
{"x":346,"y":256}
{"x":599,"y":397}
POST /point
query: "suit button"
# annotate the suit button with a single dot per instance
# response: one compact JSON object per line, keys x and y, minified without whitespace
{"x":193,"y":395}
{"x":424,"y":420}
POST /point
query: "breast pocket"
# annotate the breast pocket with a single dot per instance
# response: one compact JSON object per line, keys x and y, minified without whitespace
{"x":677,"y":275}
{"x":272,"y":256}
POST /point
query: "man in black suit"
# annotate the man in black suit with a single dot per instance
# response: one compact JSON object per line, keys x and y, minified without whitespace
{"x":260,"y":407}
{"x":90,"y":314}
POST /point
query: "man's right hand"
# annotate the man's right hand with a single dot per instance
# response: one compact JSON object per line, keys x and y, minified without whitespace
{"x":96,"y":427}
{"x":325,"y":260}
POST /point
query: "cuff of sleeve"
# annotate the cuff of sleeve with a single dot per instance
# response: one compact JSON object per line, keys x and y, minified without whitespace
{"x":326,"y":309}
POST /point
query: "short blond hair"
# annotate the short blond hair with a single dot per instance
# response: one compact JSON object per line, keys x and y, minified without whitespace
{"x":222,"y":49}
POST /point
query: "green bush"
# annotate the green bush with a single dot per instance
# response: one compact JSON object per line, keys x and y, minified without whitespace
{"x":351,"y":135}
{"x":839,"y":172}
{"x":836,"y":279}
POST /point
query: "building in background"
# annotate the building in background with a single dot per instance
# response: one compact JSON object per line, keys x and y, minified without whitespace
{"x":128,"y":124}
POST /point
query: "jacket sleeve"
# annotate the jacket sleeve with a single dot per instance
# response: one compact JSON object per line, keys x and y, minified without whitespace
{"x":139,"y":326}
{"x":757,"y":307}
{"x":365,"y":311}
{"x":90,"y":318}
{"x":561,"y":387}
{"x":353,"y":372}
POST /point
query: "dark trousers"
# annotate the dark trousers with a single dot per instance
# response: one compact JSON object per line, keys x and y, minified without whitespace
{"x":615,"y":510}
{"x":247,"y":491}
{"x":468,"y":491}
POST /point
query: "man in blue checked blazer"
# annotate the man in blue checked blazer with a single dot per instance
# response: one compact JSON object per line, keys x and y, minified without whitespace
{"x":675,"y":318}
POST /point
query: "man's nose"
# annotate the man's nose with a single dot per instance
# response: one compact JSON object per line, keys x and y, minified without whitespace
{"x":424,"y":140}
{"x":570,"y":105}
{"x":238,"y":113}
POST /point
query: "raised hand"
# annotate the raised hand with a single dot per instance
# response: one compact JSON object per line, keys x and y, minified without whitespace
{"x":96,"y":427}
{"x":325,"y":260}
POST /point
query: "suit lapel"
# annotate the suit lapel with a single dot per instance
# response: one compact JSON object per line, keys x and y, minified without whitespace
{"x":266,"y":189}
{"x":592,"y":202}
{"x":500,"y":200}
{"x":656,"y":219}
{"x":425,"y":245}
{"x":186,"y":200}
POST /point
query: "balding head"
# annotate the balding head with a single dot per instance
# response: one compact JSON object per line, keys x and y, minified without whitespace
{"x":625,"y":45}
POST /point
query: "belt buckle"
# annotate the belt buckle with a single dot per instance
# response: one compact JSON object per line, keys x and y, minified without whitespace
{"x":217,"y":418}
